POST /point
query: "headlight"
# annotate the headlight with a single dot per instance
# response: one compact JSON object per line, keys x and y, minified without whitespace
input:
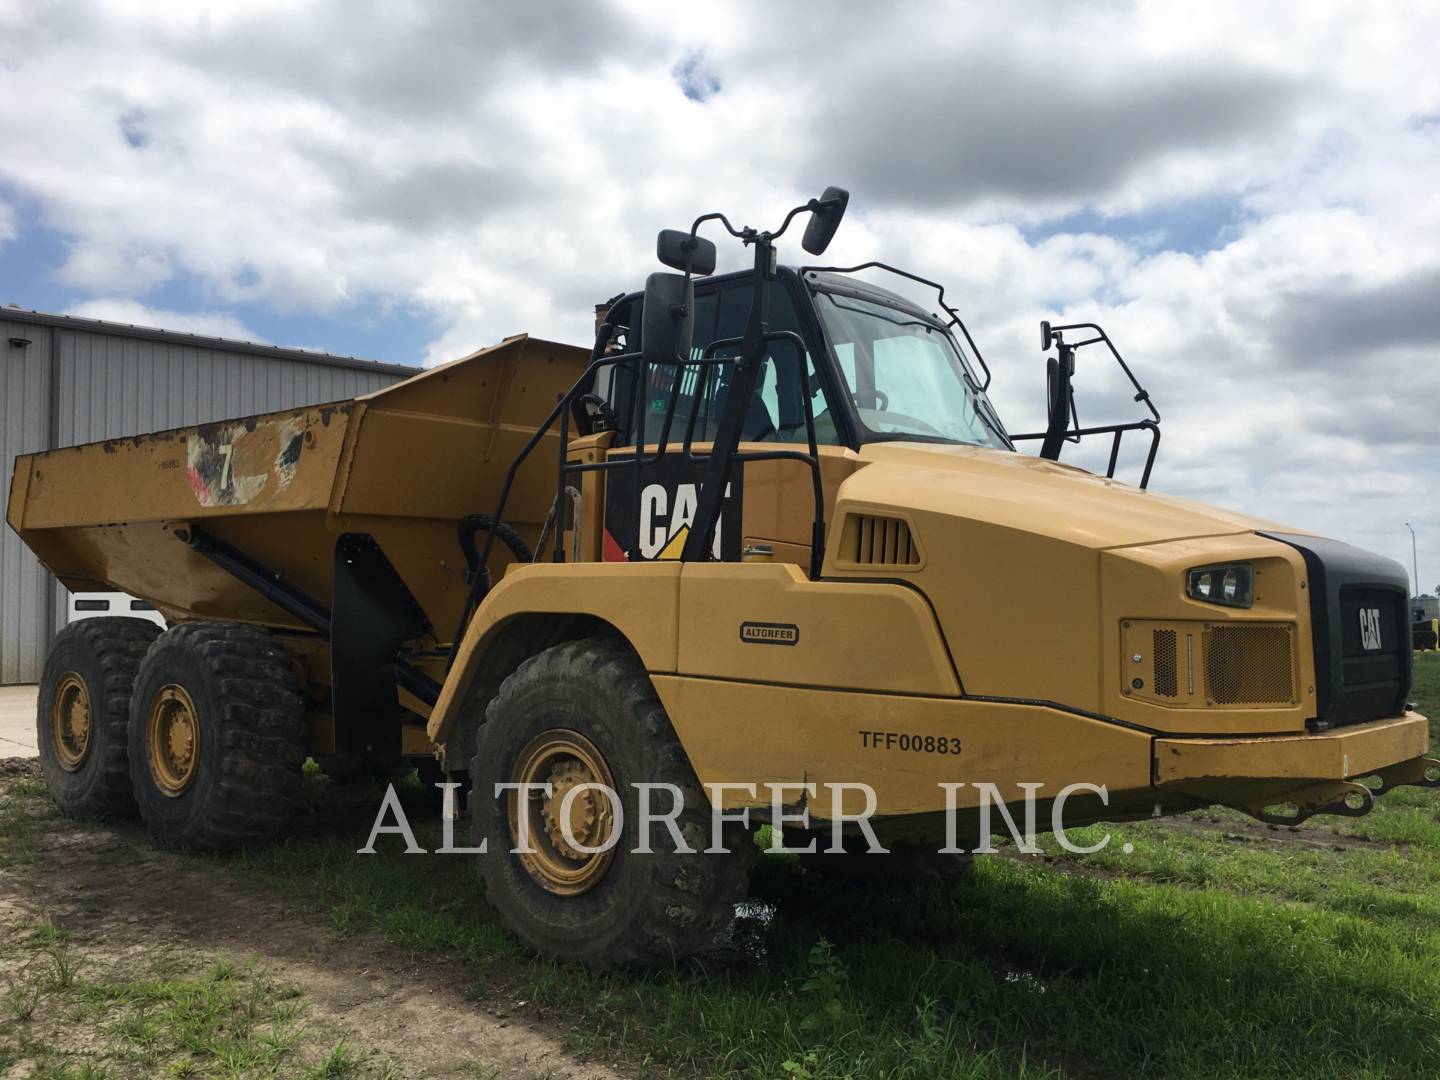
{"x":1232,"y":585}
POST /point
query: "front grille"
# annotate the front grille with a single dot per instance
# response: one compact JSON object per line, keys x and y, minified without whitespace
{"x":1162,"y":647}
{"x":1360,"y":623}
{"x":1194,"y":665}
{"x":1248,"y":665}
{"x":1374,"y":652}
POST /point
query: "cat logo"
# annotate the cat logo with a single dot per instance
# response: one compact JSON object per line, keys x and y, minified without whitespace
{"x":1370,"y":628}
{"x":665,"y":525}
{"x":656,"y":522}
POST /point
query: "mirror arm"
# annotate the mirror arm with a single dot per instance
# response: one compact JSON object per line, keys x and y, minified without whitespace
{"x":810,"y":207}
{"x":753,"y":236}
{"x":739,"y":234}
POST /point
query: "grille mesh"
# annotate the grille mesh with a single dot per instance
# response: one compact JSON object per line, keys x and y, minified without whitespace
{"x":1162,"y":646}
{"x":1248,"y":665}
{"x":883,"y":541}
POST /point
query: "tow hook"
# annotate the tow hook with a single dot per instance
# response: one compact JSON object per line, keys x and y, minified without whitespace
{"x":1417,"y":772}
{"x":1341,"y":797}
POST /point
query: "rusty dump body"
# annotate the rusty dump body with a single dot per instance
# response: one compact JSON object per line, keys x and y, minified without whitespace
{"x":402,"y":465}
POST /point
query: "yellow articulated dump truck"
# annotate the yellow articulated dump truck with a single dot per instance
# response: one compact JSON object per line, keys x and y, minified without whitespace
{"x":765,"y":546}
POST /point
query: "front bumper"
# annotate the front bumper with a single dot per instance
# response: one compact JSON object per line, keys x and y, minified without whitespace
{"x":1315,"y":773}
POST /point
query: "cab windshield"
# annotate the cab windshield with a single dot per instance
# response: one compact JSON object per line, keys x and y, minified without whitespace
{"x":905,"y":375}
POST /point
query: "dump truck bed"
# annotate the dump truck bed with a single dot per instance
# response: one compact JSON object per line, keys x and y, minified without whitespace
{"x":403,"y":464}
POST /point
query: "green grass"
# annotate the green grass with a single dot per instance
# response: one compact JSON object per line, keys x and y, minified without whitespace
{"x":26,"y":814}
{"x":1425,"y":690}
{"x":66,"y":1016}
{"x":1022,"y":970}
{"x":1214,"y":948}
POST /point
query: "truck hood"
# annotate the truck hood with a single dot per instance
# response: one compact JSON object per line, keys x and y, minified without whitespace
{"x":1042,"y":497}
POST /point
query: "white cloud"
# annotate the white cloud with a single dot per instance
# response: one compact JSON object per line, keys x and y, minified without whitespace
{"x":134,"y":313}
{"x":501,"y":170}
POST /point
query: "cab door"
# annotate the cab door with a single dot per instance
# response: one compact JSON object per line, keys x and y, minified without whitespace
{"x":769,"y":506}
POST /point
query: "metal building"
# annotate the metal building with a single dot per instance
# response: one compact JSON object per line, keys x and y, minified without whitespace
{"x":65,"y":381}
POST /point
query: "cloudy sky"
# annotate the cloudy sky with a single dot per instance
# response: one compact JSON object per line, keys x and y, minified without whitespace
{"x":1246,"y":195}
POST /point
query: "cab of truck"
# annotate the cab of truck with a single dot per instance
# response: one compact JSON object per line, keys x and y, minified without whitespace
{"x":875,"y":366}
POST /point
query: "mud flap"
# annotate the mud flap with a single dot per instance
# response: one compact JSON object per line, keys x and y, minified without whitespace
{"x":374,"y":614}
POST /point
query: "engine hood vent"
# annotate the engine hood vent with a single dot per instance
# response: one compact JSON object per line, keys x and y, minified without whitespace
{"x":878,"y":540}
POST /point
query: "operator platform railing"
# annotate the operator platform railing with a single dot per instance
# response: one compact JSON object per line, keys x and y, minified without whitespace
{"x":641,"y":458}
{"x":1076,"y":433}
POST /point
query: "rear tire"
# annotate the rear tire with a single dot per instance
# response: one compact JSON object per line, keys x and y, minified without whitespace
{"x":83,"y":712}
{"x":635,"y":909}
{"x":217,"y":737}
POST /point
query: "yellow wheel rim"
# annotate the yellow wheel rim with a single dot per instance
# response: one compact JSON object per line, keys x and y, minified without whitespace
{"x":172,"y":739}
{"x":70,"y":721}
{"x":564,"y":760}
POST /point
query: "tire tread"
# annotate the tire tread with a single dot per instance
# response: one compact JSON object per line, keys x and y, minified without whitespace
{"x":694,"y":896}
{"x":118,"y":645}
{"x":262,"y":737}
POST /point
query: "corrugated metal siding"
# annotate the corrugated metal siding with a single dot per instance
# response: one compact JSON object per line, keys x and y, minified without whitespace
{"x":24,"y":424}
{"x":109,"y":386}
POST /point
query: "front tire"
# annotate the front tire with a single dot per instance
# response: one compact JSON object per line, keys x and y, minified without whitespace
{"x":586,"y":712}
{"x":83,"y":712}
{"x":217,"y":737}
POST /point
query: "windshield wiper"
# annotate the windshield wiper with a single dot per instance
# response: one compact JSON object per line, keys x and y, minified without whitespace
{"x":908,"y":320}
{"x":915,"y":436}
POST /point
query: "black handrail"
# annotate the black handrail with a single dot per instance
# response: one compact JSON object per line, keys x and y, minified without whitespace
{"x":641,"y":459}
{"x":955,"y":319}
{"x":481,"y":582}
{"x":1076,"y":433}
{"x":1118,"y":430}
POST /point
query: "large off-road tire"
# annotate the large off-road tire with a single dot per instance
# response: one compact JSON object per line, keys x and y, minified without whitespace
{"x":586,"y":710}
{"x":83,"y":712}
{"x":217,"y":737}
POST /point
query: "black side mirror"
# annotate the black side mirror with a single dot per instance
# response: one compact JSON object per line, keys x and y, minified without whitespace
{"x":1059,"y":397}
{"x":1046,"y":334}
{"x":825,"y":220}
{"x":681,"y":251}
{"x":667,"y":324}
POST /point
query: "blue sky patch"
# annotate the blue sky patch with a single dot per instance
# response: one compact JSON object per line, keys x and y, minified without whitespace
{"x":1194,"y":226}
{"x":132,"y":126}
{"x":372,"y":331}
{"x":696,"y":80}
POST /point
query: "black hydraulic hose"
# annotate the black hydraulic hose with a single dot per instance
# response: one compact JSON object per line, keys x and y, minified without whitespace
{"x":470,"y":524}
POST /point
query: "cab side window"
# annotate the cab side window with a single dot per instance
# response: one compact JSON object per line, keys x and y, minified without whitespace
{"x":776,"y":411}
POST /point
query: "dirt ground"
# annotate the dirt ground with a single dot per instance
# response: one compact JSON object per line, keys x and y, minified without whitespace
{"x":17,"y":722}
{"x":121,"y":899}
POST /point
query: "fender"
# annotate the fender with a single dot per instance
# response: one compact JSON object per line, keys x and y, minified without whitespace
{"x":640,"y":600}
